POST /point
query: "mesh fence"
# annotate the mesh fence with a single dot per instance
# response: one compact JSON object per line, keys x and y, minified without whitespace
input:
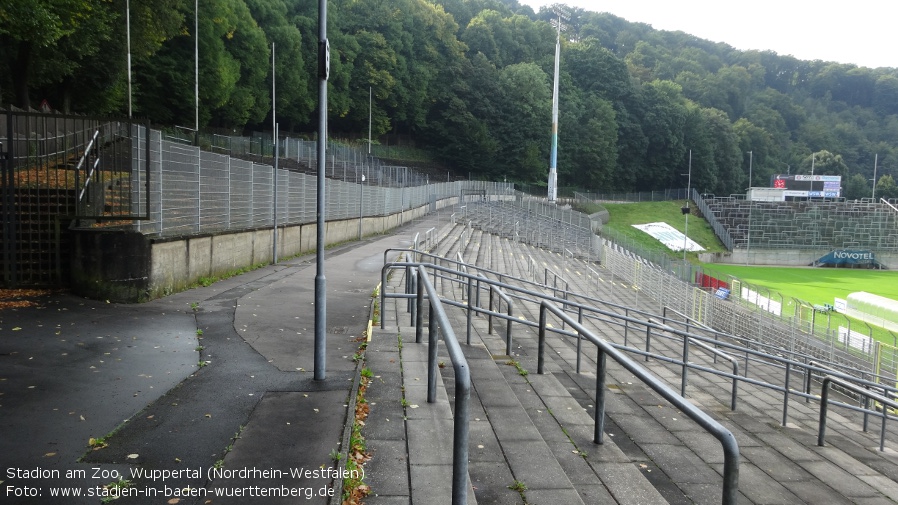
{"x":757,"y":315}
{"x":526,"y":219}
{"x":195,"y":191}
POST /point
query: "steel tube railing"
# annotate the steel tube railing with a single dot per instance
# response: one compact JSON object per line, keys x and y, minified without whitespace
{"x":438,"y":321}
{"x":824,"y":403}
{"x":723,"y":435}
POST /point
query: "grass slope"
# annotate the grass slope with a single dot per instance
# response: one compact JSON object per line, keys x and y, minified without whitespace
{"x":625,"y":215}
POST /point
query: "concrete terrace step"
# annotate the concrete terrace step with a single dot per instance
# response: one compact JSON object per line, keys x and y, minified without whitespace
{"x":780,"y":464}
{"x":515,"y":437}
{"x":410,"y":439}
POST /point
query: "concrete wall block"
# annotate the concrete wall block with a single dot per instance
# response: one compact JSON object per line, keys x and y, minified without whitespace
{"x":199,"y":257}
{"x":230,"y":252}
{"x":169,"y":271}
{"x":309,"y":237}
{"x":263,"y":242}
{"x":289,"y":241}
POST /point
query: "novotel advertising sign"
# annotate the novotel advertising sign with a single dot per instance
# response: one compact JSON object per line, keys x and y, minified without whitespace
{"x":848,"y":257}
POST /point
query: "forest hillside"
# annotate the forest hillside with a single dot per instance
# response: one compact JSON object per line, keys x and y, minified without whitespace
{"x":471,"y":81}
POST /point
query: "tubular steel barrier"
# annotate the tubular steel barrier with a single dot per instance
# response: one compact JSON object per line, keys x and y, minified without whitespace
{"x":715,"y":353}
{"x":509,"y":305}
{"x":604,"y":349}
{"x":588,"y":311}
{"x":824,"y":403}
{"x":437,"y":320}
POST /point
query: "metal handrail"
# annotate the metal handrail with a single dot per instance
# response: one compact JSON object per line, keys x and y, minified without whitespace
{"x":90,"y":175}
{"x":84,"y":156}
{"x":726,"y":438}
{"x":556,"y":276}
{"x":438,"y":320}
{"x":824,"y":403}
{"x":517,"y":291}
{"x":715,"y":352}
{"x":509,"y":305}
{"x":472,"y":307}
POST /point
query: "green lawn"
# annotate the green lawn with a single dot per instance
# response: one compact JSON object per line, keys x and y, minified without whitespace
{"x":814,"y":285}
{"x":625,"y":215}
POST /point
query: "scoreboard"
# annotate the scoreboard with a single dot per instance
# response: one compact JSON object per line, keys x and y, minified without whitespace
{"x":811,"y":186}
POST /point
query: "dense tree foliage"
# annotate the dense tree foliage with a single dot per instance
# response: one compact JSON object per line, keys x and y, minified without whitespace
{"x":470,"y":80}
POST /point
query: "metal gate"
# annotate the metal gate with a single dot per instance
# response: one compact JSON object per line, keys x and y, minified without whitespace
{"x":58,"y":172}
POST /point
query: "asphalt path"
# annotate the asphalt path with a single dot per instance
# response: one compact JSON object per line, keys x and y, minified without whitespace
{"x":206,"y":391}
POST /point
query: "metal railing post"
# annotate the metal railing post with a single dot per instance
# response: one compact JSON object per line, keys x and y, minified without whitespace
{"x":599,"y":413}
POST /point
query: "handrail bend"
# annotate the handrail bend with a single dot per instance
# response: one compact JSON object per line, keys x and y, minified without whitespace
{"x":605,"y":349}
{"x":824,"y":404}
{"x":439,"y":321}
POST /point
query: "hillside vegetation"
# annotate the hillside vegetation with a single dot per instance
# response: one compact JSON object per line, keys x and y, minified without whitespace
{"x":470,"y":81}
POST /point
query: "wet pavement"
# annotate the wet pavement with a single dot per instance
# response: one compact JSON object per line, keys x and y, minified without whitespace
{"x":205,"y":396}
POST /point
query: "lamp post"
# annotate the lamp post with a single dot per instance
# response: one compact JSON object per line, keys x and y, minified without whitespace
{"x":274,"y":127}
{"x":320,"y":361}
{"x":196,"y":70}
{"x":128,"y":30}
{"x":553,"y":162}
{"x":875,"y":163}
{"x":750,"y":156}
{"x":686,"y":208}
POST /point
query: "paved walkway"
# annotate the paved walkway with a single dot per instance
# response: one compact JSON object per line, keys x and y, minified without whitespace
{"x":220,"y":376}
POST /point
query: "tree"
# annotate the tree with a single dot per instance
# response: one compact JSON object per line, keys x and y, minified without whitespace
{"x":856,"y":188}
{"x":525,"y":113}
{"x":824,"y":163}
{"x":587,"y":143}
{"x":43,"y":37}
{"x":663,"y":122}
{"x":725,"y":151}
{"x":73,"y":51}
{"x":234,"y":61}
{"x":295,"y":100}
{"x":886,"y":188}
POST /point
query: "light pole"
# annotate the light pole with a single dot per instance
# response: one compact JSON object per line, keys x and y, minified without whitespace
{"x":875,"y":163}
{"x":320,"y":278}
{"x":128,"y":29}
{"x":274,"y":199}
{"x":553,"y":162}
{"x":686,"y":208}
{"x":750,"y":156}
{"x":196,"y":70}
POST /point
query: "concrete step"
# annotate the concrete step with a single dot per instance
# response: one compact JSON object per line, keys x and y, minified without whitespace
{"x":410,"y":440}
{"x":528,"y":417}
{"x":780,"y":464}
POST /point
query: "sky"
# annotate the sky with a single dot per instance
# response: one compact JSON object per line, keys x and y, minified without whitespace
{"x":861,"y":32}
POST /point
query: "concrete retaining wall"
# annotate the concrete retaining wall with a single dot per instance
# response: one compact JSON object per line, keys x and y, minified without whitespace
{"x":156,"y":267}
{"x":781,"y":257}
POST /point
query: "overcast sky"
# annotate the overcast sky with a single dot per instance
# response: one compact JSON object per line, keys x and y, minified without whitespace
{"x":862,"y":32}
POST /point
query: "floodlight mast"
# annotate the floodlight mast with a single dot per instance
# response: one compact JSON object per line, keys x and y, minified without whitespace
{"x":553,"y":161}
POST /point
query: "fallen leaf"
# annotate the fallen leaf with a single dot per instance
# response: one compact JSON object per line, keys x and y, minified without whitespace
{"x":49,"y":454}
{"x":133,"y":456}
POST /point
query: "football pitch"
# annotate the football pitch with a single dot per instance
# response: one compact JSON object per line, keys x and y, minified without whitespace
{"x":815,"y":285}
